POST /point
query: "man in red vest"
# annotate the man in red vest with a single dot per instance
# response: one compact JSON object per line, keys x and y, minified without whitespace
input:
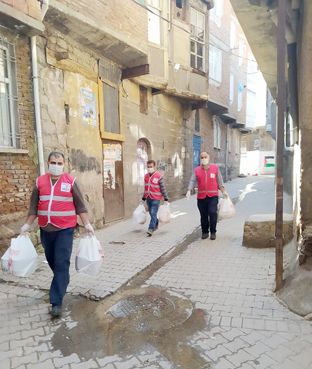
{"x":56,"y":200}
{"x":208,"y":179}
{"x":154,"y":191}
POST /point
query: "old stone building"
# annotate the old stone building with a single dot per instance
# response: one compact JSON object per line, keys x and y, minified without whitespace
{"x":18,"y":154}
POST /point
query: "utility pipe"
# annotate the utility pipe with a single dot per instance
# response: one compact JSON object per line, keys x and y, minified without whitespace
{"x":281,"y":105}
{"x":34,"y":62}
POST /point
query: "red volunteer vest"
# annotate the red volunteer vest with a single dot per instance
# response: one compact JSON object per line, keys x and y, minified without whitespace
{"x":56,"y":204}
{"x":151,"y":187}
{"x":207,"y":181}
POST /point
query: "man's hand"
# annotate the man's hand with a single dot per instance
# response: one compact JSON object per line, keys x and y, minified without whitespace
{"x":89,"y":229}
{"x":188,"y":194}
{"x":24,"y":229}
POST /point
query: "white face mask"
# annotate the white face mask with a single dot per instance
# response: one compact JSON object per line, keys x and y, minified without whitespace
{"x":56,"y":170}
{"x":151,"y":170}
{"x":204,"y":161}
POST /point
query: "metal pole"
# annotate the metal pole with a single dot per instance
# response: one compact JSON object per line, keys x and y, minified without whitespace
{"x":281,"y":102}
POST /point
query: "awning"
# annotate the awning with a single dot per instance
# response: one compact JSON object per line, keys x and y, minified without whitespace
{"x":216,"y":108}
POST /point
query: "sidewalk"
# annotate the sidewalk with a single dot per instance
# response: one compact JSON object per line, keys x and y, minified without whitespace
{"x":127,"y":251}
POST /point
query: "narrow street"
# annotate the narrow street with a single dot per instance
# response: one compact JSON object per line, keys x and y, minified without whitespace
{"x":170,"y":301}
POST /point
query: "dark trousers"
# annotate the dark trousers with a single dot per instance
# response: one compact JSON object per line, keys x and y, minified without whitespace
{"x":58,"y":248}
{"x":208,"y":209}
{"x":153,"y":206}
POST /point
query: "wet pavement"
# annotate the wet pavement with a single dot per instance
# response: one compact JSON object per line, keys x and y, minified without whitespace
{"x":201,"y":304}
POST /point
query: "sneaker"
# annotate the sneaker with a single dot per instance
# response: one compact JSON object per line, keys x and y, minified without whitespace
{"x":205,"y":235}
{"x":213,"y":236}
{"x":150,"y":233}
{"x":56,"y":311}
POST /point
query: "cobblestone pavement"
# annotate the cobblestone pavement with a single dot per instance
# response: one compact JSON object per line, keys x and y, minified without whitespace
{"x":246,"y":327}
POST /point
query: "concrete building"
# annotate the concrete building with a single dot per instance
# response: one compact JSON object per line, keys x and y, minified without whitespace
{"x":228,"y":86}
{"x":115,"y":89}
{"x":19,"y":21}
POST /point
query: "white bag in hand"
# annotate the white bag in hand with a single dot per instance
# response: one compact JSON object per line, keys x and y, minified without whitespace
{"x":139,"y":214}
{"x":226,"y":209}
{"x":89,"y":256}
{"x":164,"y":213}
{"x":21,"y":258}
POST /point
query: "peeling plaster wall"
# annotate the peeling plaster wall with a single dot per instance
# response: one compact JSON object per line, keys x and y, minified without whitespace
{"x":63,"y":82}
{"x":169,"y":127}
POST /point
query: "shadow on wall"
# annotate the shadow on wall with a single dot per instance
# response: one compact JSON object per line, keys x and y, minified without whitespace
{"x":83,"y":163}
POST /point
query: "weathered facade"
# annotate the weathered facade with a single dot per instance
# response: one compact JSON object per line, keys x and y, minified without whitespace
{"x":228,"y":66}
{"x":18,"y":153}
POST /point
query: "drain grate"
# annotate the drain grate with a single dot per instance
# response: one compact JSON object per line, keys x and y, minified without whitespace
{"x":152,"y":309}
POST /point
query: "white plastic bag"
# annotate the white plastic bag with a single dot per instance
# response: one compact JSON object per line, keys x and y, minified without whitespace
{"x":139,"y":214}
{"x":164,"y":213}
{"x":226,"y":208}
{"x":89,"y":256}
{"x":21,"y":258}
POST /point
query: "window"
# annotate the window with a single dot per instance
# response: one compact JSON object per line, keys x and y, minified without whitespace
{"x":216,"y":133}
{"x":215,"y":64}
{"x":217,"y":12}
{"x":143,"y":100}
{"x":111,"y":108}
{"x":240,"y":96}
{"x":197,"y":121}
{"x":241,"y":52}
{"x":179,"y":4}
{"x":197,"y":39}
{"x":231,"y":89}
{"x":8,"y":96}
{"x":232,"y":34}
{"x":153,"y":13}
{"x":251,"y":113}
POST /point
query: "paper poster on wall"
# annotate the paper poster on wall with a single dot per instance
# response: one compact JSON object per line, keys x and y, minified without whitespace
{"x":88,"y":107}
{"x":112,"y":153}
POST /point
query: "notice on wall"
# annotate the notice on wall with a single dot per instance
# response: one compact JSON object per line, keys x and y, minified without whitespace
{"x":112,"y":153}
{"x":88,"y":107}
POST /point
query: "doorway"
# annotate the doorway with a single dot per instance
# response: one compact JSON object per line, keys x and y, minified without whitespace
{"x":113,"y":180}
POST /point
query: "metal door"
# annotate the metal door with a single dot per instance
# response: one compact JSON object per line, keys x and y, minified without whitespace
{"x":196,"y":150}
{"x":113,"y":181}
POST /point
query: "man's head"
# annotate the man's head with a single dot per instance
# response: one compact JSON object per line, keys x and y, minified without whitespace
{"x":204,"y":158}
{"x":151,"y":166}
{"x":56,"y":162}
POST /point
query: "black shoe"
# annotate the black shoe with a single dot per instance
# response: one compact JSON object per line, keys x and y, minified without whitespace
{"x":213,"y":236}
{"x":205,"y":235}
{"x":56,"y":311}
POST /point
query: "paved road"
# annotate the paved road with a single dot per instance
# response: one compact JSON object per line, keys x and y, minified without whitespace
{"x":237,"y":321}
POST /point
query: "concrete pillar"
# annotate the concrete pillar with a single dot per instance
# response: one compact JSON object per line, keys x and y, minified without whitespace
{"x":305,"y":113}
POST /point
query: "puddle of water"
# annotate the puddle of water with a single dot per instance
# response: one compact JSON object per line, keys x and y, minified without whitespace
{"x":93,"y":329}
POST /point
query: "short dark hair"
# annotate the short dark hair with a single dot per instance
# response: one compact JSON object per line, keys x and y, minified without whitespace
{"x":56,"y":154}
{"x":151,"y":162}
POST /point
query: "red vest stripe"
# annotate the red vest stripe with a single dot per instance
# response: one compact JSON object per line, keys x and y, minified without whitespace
{"x":152,"y":188}
{"x":207,"y":181}
{"x":56,"y":205}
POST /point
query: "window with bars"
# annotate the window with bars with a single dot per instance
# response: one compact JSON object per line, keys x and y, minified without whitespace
{"x":8,"y":96}
{"x":197,"y":40}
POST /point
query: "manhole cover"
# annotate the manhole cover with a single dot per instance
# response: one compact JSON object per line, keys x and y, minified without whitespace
{"x":152,"y":309}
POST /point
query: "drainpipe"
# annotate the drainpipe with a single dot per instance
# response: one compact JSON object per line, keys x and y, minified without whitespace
{"x":34,"y":62}
{"x":281,"y":105}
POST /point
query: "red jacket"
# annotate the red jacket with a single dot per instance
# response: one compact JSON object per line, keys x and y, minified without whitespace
{"x":56,"y":204}
{"x":207,"y":181}
{"x":151,"y":186}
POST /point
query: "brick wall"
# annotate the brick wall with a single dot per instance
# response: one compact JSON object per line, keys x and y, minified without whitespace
{"x":19,"y":170}
{"x":28,"y":7}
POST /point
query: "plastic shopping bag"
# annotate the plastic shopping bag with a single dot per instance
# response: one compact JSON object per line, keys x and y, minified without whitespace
{"x":21,"y":258}
{"x":89,"y":256}
{"x":139,"y":214}
{"x":164,"y":213}
{"x":226,"y":208}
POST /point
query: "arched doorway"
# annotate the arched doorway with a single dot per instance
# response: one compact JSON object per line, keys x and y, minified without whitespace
{"x":143,"y":154}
